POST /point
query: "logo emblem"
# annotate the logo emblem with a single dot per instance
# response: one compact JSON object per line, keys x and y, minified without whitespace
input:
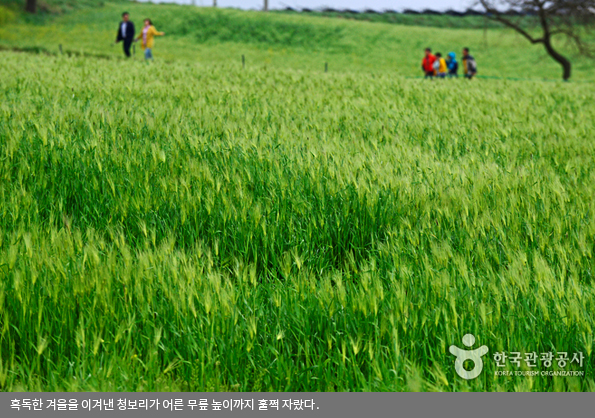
{"x":473,"y":355}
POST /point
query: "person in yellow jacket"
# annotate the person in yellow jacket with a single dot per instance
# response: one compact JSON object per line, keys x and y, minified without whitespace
{"x":148,"y":37}
{"x":441,"y":66}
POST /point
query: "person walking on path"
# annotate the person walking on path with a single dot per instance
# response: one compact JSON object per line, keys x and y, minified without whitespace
{"x":440,"y":66}
{"x":126,"y":33}
{"x":427,"y":64}
{"x":453,"y":65}
{"x":148,"y":36}
{"x":469,"y":64}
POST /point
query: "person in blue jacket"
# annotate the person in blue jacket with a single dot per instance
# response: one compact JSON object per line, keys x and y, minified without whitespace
{"x":453,"y":65}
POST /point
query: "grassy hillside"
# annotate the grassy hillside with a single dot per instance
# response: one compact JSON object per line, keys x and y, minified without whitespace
{"x":49,"y":7}
{"x":283,"y":41}
{"x":431,"y":20}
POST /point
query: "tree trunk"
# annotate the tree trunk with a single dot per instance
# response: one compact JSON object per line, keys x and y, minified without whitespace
{"x":266,"y":5}
{"x":562,"y":60}
{"x":31,"y":6}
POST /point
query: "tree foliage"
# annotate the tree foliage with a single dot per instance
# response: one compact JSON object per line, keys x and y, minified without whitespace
{"x":31,"y":6}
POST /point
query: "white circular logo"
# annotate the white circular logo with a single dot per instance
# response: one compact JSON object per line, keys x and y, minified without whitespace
{"x":472,"y":355}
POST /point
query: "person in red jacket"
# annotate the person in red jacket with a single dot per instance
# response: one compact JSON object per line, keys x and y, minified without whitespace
{"x":427,"y":65}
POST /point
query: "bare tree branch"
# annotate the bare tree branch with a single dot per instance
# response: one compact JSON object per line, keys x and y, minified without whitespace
{"x":497,"y":16}
{"x":569,"y":18}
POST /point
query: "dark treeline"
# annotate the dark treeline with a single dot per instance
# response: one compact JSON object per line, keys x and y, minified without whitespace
{"x":469,"y":19}
{"x":449,"y":12}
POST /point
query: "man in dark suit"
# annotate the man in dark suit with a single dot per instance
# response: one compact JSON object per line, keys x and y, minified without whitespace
{"x":126,"y":33}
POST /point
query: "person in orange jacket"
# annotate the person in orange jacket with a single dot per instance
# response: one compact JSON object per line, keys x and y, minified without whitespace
{"x":147,"y":35}
{"x":427,"y":64}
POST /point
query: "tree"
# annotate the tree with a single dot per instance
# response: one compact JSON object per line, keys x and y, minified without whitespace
{"x":571,"y":19}
{"x":31,"y":6}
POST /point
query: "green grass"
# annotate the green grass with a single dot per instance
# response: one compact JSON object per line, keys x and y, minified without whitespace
{"x":260,"y":230}
{"x":290,"y":41}
{"x":198,"y":226}
{"x":49,"y":7}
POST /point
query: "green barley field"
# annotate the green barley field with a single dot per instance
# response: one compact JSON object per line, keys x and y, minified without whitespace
{"x":194,"y":225}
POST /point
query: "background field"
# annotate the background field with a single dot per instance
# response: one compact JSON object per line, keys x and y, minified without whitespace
{"x":289,"y":41}
{"x":192,"y":225}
